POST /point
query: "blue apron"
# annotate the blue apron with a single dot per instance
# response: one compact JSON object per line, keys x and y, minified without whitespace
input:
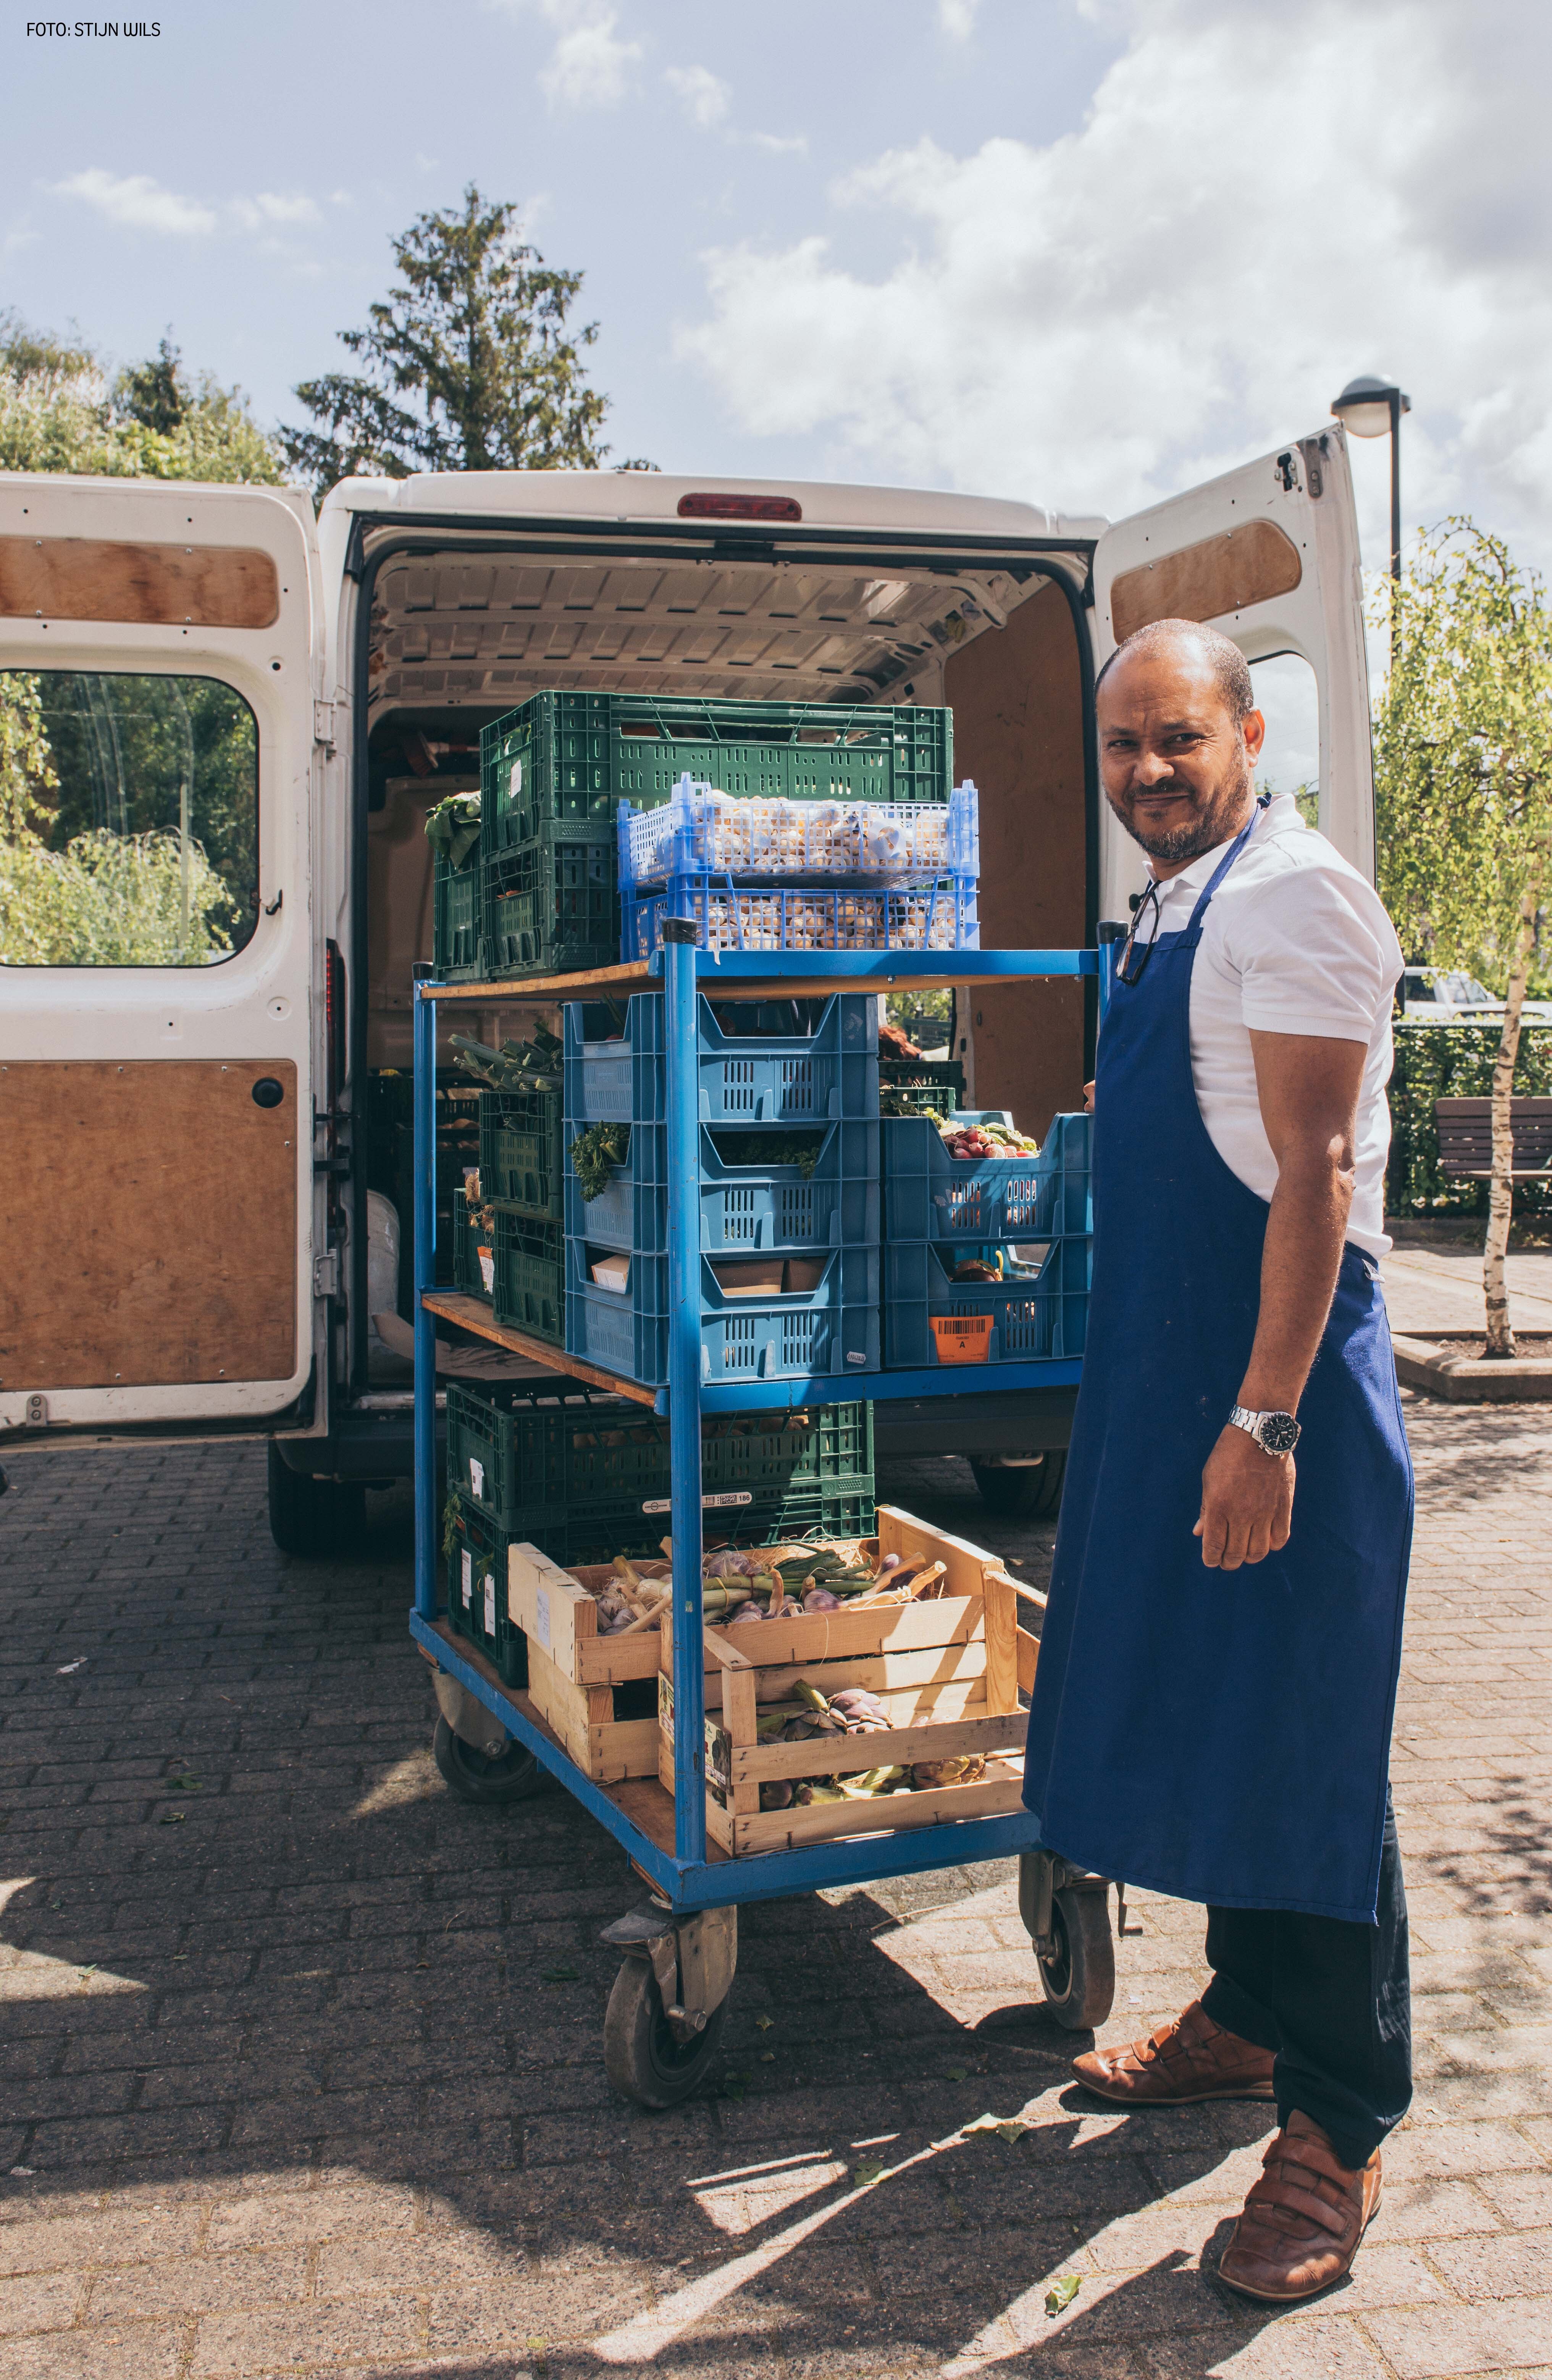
{"x":1222,"y":1736}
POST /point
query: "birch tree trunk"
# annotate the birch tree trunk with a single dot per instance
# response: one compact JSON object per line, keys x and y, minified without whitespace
{"x":1500,"y":1206}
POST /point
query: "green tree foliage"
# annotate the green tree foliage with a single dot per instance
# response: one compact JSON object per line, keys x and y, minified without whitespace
{"x":1463,"y":798}
{"x":106,"y":898}
{"x":469,"y":363}
{"x":61,"y":411}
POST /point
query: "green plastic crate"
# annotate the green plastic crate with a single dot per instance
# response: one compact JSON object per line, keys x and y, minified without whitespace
{"x":517,"y":1453}
{"x":921,"y":1087}
{"x":467,"y":1272}
{"x":550,"y":907}
{"x":522,"y":1151}
{"x":456,"y":919}
{"x":531,"y":1275}
{"x":562,"y":761}
{"x":477,"y":1595}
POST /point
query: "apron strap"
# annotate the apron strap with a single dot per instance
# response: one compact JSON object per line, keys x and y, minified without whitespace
{"x":1225,"y":863}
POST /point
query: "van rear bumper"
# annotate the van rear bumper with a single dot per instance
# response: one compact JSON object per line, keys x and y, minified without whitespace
{"x":368,"y":1448}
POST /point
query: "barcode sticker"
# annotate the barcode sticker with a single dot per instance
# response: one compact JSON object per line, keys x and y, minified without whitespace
{"x":489,"y":1603}
{"x":542,"y":1617}
{"x":477,"y":1478}
{"x":709,"y":1503}
{"x":468,"y":1578}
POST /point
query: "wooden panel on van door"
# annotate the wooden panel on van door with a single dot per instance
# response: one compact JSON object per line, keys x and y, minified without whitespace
{"x":1207,"y":581}
{"x":1018,"y":699}
{"x":151,"y":586}
{"x":148,"y":1223}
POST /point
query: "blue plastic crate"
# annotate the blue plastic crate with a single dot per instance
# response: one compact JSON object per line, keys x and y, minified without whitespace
{"x":930,"y":1319}
{"x":729,"y":916}
{"x":931,"y":1195}
{"x":744,"y":1208}
{"x":829,"y":1332}
{"x":813,"y":1076}
{"x":703,"y":830}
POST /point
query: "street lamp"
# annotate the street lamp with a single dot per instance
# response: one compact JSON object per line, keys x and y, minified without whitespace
{"x":1368,"y":408}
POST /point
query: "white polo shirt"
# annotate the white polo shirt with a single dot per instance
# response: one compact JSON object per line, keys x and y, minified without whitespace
{"x":1294,"y":941}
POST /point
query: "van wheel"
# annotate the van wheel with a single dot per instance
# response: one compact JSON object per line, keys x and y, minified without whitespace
{"x":316,"y":1520}
{"x":1025,"y":1491}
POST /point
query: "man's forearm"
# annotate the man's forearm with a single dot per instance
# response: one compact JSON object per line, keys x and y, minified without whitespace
{"x":1305,"y":1232}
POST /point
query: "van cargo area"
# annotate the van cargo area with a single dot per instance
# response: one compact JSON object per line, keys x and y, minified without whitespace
{"x":458,"y":631}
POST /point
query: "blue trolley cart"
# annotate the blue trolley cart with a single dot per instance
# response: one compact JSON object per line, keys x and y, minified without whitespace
{"x":680,"y":1948}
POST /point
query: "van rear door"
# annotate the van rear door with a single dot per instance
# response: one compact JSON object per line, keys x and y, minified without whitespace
{"x":1268,"y":555}
{"x":160,"y":655}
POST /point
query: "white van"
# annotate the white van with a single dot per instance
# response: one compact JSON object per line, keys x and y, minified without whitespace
{"x":246,"y":712}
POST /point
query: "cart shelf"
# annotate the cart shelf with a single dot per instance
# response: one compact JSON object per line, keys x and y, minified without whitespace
{"x":665,"y":1837}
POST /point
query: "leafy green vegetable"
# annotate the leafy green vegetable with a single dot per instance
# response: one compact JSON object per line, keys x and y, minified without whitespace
{"x":594,"y":1151}
{"x":1062,"y":2291}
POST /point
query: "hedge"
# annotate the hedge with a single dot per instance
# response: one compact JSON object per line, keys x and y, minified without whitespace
{"x":1440,"y":1062}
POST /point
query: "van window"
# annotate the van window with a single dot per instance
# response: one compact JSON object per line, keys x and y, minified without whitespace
{"x":1287,"y":694}
{"x":129,"y":819}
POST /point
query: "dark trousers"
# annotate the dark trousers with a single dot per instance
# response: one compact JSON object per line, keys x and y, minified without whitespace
{"x":1332,"y":1999}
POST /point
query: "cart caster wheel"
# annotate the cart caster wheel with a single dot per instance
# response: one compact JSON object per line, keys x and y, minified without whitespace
{"x":475,"y":1778}
{"x":1079,"y":1976}
{"x":642,"y":2057}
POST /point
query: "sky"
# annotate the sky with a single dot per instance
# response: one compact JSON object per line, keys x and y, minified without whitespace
{"x":1081,"y":252}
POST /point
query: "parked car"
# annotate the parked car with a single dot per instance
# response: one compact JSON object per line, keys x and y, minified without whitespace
{"x":1445,"y":996}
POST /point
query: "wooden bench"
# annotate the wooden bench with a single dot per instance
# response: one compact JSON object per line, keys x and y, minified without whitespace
{"x":1465,"y":1130}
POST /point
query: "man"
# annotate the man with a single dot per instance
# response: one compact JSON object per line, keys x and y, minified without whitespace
{"x":1217,"y":1670}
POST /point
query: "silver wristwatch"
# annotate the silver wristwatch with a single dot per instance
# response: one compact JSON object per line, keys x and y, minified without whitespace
{"x":1275,"y":1433}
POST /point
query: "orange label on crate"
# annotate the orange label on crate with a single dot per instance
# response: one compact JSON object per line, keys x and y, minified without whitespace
{"x":962,"y":1338}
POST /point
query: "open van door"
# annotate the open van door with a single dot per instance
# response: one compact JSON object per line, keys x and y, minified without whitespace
{"x":1269,"y":556}
{"x":160,"y":655}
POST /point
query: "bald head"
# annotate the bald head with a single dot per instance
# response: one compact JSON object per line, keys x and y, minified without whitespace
{"x":1189,"y":638}
{"x":1179,"y":739}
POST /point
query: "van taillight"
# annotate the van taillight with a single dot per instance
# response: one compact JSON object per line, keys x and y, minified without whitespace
{"x":726,"y":507}
{"x":334,"y":1021}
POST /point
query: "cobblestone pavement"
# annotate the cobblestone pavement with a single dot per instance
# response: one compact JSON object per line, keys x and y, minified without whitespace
{"x":301,"y":2058}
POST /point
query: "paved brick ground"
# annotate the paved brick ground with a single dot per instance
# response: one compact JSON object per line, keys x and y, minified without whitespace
{"x":295,"y":2081}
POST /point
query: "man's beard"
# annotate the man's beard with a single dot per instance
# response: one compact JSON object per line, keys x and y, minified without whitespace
{"x":1212,"y":824}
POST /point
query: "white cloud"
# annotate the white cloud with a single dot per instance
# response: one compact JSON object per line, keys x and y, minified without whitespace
{"x":135,"y":202}
{"x":267,"y":210}
{"x":590,"y":64}
{"x":957,"y":18}
{"x":1259,"y":202}
{"x":703,"y":95}
{"x":781,"y":145}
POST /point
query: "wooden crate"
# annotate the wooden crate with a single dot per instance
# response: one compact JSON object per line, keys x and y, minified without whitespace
{"x":949,"y":1670}
{"x":605,"y":1748}
{"x":557,"y":1612}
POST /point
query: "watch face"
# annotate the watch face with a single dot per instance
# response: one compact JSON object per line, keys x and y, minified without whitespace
{"x":1278,"y":1433}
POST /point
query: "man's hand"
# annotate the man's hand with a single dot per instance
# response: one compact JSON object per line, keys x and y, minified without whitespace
{"x":1247,"y":1501}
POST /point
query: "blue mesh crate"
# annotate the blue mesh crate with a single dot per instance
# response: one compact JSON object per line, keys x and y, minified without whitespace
{"x":731,"y":917}
{"x":931,"y":1195}
{"x":930,"y":1319}
{"x":821,"y":1073}
{"x":744,"y":1208}
{"x":827,"y":1331}
{"x":561,"y":761}
{"x":701,"y":830}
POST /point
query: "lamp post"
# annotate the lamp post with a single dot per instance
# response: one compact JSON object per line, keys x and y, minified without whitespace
{"x":1368,"y":408}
